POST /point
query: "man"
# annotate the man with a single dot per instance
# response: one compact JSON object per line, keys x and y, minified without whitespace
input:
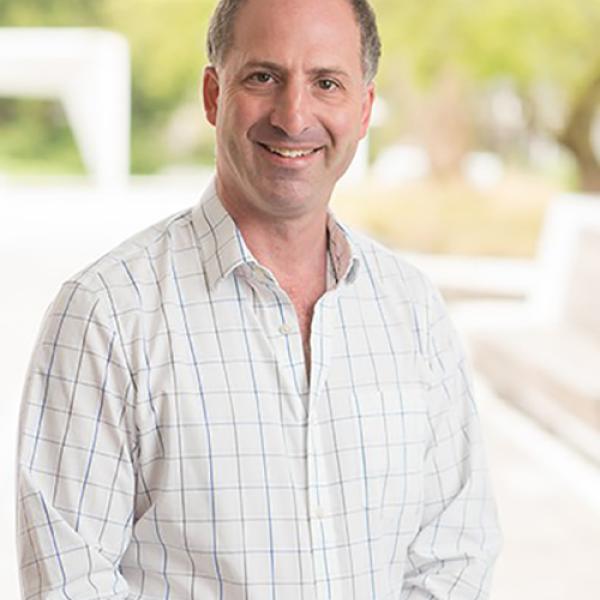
{"x":248,"y":400}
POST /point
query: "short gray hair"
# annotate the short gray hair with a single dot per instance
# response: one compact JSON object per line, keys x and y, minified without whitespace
{"x":220,"y":34}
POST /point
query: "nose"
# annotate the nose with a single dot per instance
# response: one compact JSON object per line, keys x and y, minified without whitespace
{"x":292,"y":110}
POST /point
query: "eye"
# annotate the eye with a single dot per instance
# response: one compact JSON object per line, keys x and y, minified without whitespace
{"x":327,"y":84}
{"x":261,"y":77}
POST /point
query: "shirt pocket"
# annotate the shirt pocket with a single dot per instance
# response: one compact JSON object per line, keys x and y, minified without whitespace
{"x":392,"y":431}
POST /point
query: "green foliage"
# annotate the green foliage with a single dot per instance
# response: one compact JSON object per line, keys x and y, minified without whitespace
{"x":525,"y":41}
{"x":166,"y":38}
{"x":545,"y":50}
{"x":50,"y":13}
{"x":167,"y":47}
{"x":35,"y":138}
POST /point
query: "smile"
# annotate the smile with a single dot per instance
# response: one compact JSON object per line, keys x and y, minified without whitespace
{"x":289,"y":152}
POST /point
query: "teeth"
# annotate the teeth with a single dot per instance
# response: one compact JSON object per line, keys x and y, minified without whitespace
{"x":290,"y":153}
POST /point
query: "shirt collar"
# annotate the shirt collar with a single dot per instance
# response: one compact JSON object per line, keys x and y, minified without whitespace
{"x":342,"y":250}
{"x":224,"y":249}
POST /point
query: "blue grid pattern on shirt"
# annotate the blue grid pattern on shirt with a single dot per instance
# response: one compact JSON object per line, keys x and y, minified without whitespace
{"x":173,"y":446}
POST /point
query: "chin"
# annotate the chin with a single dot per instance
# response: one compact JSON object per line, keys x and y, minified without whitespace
{"x":291,"y":193}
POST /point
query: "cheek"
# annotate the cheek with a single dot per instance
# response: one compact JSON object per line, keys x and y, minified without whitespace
{"x":231,"y":128}
{"x":345,"y":126}
{"x":240,"y":112}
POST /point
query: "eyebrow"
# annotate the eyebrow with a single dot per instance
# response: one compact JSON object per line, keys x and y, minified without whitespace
{"x":317,"y":71}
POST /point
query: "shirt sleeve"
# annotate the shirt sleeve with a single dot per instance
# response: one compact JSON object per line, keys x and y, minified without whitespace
{"x":459,"y":539}
{"x":75,"y":469}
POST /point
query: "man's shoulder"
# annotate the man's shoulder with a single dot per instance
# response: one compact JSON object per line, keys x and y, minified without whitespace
{"x":134,"y":257}
{"x":389,"y":268}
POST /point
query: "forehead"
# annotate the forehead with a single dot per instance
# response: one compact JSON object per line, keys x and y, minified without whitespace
{"x":291,"y":31}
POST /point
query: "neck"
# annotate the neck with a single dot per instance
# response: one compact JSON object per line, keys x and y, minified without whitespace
{"x":292,"y":247}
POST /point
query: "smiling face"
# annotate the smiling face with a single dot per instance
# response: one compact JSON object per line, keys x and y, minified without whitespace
{"x":289,"y":105}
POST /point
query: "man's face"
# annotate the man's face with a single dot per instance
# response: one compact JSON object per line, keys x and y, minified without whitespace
{"x":289,"y":105}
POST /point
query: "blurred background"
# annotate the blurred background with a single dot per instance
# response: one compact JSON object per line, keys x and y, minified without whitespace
{"x":482,"y":166}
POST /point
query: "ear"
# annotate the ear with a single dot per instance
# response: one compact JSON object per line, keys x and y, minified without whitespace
{"x":367,"y":109}
{"x":210,"y":94}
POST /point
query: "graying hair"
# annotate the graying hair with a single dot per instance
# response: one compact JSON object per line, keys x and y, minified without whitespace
{"x":220,"y":34}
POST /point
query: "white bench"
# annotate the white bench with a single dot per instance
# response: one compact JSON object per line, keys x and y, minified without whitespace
{"x":544,"y":355}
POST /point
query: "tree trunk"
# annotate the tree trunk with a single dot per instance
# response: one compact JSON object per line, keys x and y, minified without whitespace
{"x":445,"y":125}
{"x":577,"y":136}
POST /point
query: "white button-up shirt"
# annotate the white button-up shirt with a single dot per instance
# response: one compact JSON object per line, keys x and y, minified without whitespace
{"x":173,"y":445}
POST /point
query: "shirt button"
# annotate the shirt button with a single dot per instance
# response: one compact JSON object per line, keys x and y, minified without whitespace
{"x":318,"y":512}
{"x":286,"y":329}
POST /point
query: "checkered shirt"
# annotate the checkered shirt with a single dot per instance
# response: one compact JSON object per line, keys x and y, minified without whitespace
{"x":172,"y":446}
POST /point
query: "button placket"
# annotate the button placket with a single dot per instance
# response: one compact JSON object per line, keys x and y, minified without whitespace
{"x":317,"y":498}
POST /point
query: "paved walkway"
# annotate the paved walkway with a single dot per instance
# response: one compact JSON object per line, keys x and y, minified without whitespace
{"x":549,"y":505}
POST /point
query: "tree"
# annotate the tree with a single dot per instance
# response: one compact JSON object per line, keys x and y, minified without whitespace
{"x":435,"y":44}
{"x":549,"y":42}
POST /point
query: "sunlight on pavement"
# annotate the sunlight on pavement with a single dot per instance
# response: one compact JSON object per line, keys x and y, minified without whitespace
{"x":549,"y":504}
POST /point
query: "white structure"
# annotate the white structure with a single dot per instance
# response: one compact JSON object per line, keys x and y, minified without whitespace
{"x":88,"y":70}
{"x":564,"y":222}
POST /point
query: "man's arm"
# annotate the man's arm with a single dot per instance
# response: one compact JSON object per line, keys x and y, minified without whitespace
{"x":459,"y":539}
{"x":76,"y":481}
